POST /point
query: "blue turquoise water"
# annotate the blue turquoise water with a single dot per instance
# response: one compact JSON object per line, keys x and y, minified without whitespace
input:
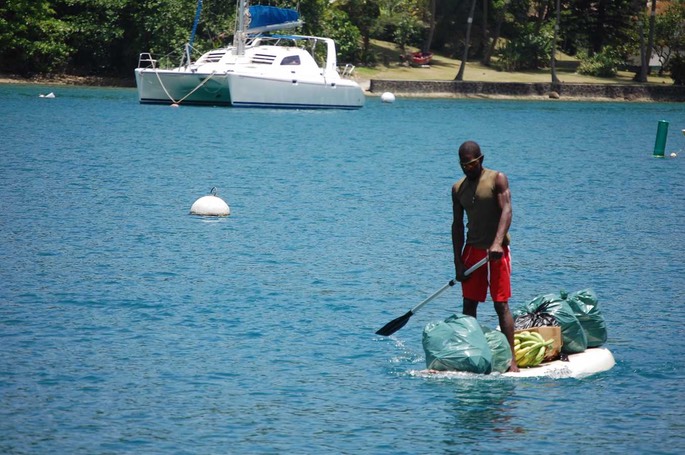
{"x":129,"y":326}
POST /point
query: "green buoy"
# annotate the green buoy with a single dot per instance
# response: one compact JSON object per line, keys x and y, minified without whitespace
{"x":661,"y":135}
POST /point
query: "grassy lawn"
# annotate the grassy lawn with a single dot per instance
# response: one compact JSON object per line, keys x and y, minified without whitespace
{"x":443,"y":68}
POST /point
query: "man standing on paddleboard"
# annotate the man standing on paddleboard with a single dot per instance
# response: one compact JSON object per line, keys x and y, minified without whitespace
{"x":485,"y":197}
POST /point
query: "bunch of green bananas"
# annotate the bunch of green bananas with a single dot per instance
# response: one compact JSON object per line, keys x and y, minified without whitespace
{"x":530,"y":348}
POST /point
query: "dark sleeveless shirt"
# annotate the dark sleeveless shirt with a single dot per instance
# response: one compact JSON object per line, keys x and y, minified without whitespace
{"x":483,"y":212}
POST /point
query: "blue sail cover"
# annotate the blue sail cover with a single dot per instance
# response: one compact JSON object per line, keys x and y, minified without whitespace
{"x":263,"y":16}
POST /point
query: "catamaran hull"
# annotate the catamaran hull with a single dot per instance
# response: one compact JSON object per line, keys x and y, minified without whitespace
{"x":174,"y":87}
{"x":263,"y":91}
{"x":240,"y":90}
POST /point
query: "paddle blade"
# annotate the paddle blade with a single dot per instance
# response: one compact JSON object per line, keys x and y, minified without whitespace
{"x":394,"y":325}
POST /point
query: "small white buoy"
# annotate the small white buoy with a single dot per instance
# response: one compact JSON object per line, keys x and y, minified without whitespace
{"x":210,"y":206}
{"x":388,"y":97}
{"x":174,"y":105}
{"x":674,"y":155}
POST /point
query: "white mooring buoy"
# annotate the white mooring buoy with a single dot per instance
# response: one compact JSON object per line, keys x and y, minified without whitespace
{"x":388,"y":97}
{"x":210,"y":205}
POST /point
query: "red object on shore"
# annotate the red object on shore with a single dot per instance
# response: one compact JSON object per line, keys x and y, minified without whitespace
{"x":421,"y":58}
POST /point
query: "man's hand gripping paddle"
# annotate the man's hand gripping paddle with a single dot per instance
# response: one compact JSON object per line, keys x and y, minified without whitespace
{"x":396,"y":324}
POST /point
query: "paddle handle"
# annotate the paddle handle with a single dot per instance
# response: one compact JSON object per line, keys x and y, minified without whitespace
{"x":451,"y":283}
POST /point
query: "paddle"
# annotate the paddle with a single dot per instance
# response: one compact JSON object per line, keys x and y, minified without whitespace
{"x":396,"y":324}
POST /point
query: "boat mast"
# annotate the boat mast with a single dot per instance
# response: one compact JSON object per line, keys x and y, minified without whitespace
{"x":189,"y":46}
{"x":239,"y":37}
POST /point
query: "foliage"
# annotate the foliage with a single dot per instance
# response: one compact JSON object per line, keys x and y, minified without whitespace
{"x":401,"y":22}
{"x":450,"y":27}
{"x":338,"y":26}
{"x":363,"y":15}
{"x":603,"y":64}
{"x":96,"y":34}
{"x":32,"y":38}
{"x":677,"y":69}
{"x":105,"y":37}
{"x":670,"y":33}
{"x":530,"y":50}
{"x":590,"y":25}
{"x":408,"y":32}
{"x":311,"y":12}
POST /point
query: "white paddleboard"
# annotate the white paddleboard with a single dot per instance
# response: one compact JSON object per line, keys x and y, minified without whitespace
{"x":589,"y":362}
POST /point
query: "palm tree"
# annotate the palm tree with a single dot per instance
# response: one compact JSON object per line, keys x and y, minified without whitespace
{"x":431,"y":28}
{"x":555,"y":79}
{"x":646,"y":54}
{"x":467,"y":43}
{"x":495,"y":37}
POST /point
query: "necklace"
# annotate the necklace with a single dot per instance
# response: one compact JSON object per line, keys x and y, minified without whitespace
{"x":475,"y":192}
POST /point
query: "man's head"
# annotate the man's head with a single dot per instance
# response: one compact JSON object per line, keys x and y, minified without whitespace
{"x":470,"y":159}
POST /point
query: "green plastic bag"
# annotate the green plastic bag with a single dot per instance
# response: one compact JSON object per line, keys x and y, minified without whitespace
{"x":500,"y":348}
{"x":457,"y":344}
{"x":573,"y":334}
{"x":585,"y":306}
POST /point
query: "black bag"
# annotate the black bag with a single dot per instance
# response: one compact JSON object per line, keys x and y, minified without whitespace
{"x":541,"y":308}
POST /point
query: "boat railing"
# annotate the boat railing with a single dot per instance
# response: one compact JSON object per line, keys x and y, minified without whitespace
{"x":145,"y":60}
{"x":348,"y":70}
{"x":170,"y":60}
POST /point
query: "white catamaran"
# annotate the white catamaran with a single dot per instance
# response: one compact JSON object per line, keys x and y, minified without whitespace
{"x":257,"y":70}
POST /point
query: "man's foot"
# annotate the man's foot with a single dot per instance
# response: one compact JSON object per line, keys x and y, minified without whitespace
{"x":513,"y":368}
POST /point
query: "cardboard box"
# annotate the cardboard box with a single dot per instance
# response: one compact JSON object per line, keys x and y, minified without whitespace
{"x":549,"y":333}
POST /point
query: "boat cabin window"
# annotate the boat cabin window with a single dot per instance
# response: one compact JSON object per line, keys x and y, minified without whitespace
{"x":291,"y":60}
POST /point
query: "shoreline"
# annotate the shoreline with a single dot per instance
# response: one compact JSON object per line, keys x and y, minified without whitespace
{"x":435,"y":89}
{"x":530,"y":90}
{"x":66,"y":79}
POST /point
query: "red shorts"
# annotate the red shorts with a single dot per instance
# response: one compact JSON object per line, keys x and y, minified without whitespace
{"x":495,"y":274}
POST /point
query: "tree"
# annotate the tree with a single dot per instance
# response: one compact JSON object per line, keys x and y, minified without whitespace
{"x":555,"y":79}
{"x":338,"y":26}
{"x":669,"y":34}
{"x":431,"y":26}
{"x":467,"y":43}
{"x":32,"y":38}
{"x":363,"y":14}
{"x":646,"y":55}
{"x":501,"y":12}
{"x":105,"y":37}
{"x":95,"y":35}
{"x":591,"y":25}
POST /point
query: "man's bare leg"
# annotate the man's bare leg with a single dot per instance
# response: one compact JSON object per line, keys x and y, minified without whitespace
{"x":506,"y":325}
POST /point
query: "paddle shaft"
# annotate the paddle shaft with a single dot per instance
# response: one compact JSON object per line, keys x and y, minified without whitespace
{"x":397,"y":323}
{"x":450,"y":284}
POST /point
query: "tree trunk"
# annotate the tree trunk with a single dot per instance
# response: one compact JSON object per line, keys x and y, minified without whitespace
{"x":484,"y":38}
{"x":641,"y":74}
{"x":495,"y":36}
{"x":555,"y":79}
{"x":650,"y":44}
{"x":467,"y":43}
{"x":431,"y":29}
{"x":646,"y":51}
